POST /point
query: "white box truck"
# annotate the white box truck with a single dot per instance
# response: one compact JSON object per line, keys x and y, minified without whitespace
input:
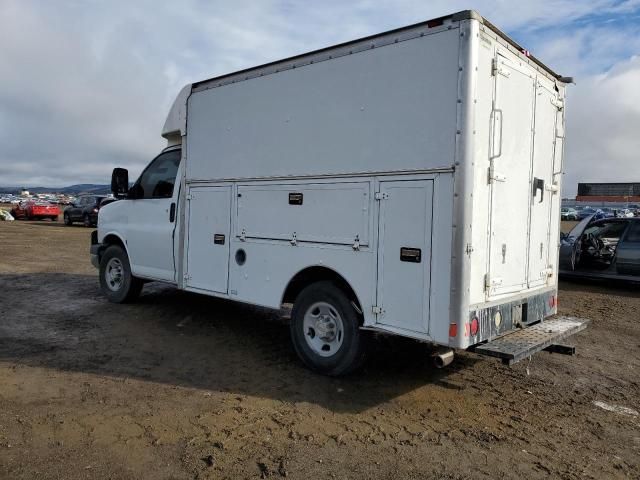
{"x":405,"y":183}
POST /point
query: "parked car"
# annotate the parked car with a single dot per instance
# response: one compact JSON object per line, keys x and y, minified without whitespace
{"x":587,"y":212}
{"x":32,"y":210}
{"x":568,"y":213}
{"x":608,"y":212}
{"x":624,"y":213}
{"x":602,"y":248}
{"x":85,"y":209}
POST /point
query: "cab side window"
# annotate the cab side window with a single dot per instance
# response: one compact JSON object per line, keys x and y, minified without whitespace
{"x":158,"y":179}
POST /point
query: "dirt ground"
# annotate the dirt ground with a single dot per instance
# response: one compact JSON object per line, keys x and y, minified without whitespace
{"x":184,"y":386}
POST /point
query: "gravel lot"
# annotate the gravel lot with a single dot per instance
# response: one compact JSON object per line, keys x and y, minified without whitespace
{"x":183,"y":386}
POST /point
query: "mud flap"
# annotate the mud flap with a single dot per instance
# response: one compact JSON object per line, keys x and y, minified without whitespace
{"x":514,"y":346}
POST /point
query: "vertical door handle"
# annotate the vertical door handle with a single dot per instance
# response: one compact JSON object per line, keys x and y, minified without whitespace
{"x":498,"y":121}
{"x":538,"y":184}
{"x":172,"y":212}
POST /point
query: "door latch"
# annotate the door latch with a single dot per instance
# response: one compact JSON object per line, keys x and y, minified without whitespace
{"x":538,"y":184}
{"x":356,"y":243}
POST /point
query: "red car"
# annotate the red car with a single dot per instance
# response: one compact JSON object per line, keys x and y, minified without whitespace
{"x":31,"y":210}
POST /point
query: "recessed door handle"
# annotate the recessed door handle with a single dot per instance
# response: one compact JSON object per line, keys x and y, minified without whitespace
{"x":172,"y":212}
{"x":408,"y":254}
{"x":538,"y":184}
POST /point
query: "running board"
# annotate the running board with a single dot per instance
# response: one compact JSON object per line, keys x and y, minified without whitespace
{"x":520,"y":344}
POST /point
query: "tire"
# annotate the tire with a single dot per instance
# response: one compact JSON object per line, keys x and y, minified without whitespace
{"x":116,"y":281}
{"x":324,"y":306}
{"x":67,"y":219}
{"x":54,"y":219}
{"x":86,"y":221}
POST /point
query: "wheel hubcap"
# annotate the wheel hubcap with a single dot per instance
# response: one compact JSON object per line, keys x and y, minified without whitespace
{"x":114,"y":274}
{"x":323,"y":329}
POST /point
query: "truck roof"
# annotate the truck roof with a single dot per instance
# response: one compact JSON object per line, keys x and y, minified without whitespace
{"x":339,"y":50}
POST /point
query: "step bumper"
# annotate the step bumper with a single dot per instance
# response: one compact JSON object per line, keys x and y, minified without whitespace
{"x":519,"y":344}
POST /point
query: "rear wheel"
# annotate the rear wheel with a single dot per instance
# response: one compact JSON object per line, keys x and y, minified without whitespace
{"x":67,"y":219}
{"x":116,"y":280}
{"x":325,"y":330}
{"x":86,"y":220}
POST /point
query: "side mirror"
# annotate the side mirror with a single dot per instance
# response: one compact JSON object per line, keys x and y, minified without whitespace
{"x":120,"y":182}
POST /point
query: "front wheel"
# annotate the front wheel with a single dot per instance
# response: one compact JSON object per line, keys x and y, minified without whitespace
{"x":325,"y":330}
{"x":67,"y":219}
{"x":86,"y":220}
{"x":116,"y":280}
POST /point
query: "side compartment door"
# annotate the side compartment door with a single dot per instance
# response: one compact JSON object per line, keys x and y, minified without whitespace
{"x":209,"y":217}
{"x":510,"y":173}
{"x":404,"y":254}
{"x":542,"y":194}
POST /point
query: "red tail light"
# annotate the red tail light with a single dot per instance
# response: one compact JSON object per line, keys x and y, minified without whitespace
{"x":474,"y":326}
{"x":453,"y":330}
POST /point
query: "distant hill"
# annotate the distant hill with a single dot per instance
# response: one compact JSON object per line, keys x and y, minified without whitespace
{"x":70,"y":190}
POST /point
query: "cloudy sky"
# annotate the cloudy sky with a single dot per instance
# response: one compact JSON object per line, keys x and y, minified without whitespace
{"x":85,"y":85}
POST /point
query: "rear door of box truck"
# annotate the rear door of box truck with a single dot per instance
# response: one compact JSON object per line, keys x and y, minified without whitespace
{"x":524,"y":166}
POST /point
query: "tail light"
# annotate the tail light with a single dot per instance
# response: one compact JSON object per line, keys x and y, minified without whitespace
{"x":474,"y":326}
{"x":453,"y":330}
{"x":553,"y":302}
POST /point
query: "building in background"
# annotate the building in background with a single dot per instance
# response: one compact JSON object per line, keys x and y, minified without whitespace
{"x":609,"y":192}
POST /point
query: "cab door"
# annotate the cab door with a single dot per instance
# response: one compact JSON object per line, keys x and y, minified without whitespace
{"x":152,"y":218}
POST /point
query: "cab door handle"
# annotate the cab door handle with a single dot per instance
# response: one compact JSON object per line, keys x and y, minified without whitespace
{"x":172,"y":212}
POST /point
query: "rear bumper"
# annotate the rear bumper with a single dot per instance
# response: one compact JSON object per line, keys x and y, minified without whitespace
{"x":520,"y":344}
{"x":497,"y":318}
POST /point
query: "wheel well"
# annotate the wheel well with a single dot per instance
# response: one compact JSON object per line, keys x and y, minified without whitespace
{"x":113,"y":240}
{"x":317,"y":274}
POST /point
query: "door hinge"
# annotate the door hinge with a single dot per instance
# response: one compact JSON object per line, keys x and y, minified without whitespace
{"x":469,"y":249}
{"x":381,"y":195}
{"x":294,"y":239}
{"x":189,"y":197}
{"x":556,"y":102}
{"x":495,"y":176}
{"x":186,"y":277}
{"x":243,"y":235}
{"x":496,"y":69}
{"x":377,"y":310}
{"x":547,"y":272}
{"x":491,"y":282}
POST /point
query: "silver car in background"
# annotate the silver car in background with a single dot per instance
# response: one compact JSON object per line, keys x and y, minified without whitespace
{"x":603,"y":248}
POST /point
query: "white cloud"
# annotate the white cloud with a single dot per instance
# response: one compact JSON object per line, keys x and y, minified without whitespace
{"x":602,"y":128}
{"x":85,"y":86}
